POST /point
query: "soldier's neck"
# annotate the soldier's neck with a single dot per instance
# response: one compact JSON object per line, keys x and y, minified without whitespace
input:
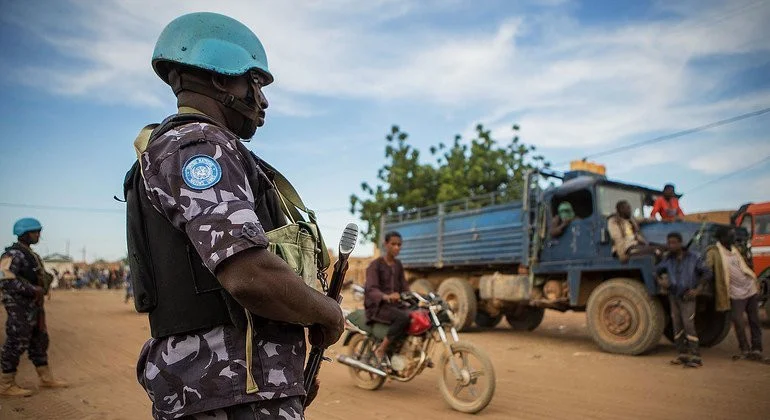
{"x":201,"y":104}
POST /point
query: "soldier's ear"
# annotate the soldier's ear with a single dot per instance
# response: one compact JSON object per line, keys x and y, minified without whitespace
{"x":220,"y":82}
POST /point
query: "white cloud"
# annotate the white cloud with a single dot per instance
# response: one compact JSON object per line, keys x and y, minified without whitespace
{"x":728,"y":157}
{"x":569,"y":85}
{"x":730,"y":193}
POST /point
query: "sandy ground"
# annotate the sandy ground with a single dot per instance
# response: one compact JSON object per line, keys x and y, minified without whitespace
{"x":554,"y":372}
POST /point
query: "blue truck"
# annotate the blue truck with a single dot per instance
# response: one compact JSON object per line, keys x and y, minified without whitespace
{"x":490,"y":259}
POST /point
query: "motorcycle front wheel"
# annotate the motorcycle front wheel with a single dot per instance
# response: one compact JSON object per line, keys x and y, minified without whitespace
{"x":360,"y":348}
{"x":471,"y":390}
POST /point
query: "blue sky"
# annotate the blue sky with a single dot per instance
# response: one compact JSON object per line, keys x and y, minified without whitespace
{"x":579,"y":77}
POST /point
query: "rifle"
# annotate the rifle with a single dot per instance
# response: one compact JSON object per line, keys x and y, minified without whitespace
{"x":347,"y":243}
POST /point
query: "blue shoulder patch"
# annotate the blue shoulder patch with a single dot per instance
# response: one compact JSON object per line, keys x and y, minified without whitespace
{"x":201,"y":172}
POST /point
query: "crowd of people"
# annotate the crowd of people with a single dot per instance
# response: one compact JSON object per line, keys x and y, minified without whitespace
{"x":89,"y":278}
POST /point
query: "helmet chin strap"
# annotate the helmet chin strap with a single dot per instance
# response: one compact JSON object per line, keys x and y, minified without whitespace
{"x":227,"y":99}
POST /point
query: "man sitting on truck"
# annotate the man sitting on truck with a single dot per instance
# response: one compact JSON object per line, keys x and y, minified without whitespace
{"x":627,"y":240}
{"x":667,"y":205}
{"x":385,"y":281}
{"x":683,"y":274}
{"x":565,"y":214}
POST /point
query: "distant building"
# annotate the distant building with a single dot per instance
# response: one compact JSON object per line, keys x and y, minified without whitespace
{"x":59,"y":262}
{"x":720,"y":216}
{"x":356,"y":268}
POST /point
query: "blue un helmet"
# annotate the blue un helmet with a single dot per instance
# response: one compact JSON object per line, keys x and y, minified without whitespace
{"x":25,"y":225}
{"x":212,"y":42}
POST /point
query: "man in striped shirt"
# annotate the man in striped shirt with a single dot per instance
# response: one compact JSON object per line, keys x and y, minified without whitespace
{"x":727,"y":263}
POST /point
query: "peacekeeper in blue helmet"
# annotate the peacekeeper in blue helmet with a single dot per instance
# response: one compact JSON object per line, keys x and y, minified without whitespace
{"x":24,"y":282}
{"x":199,"y":205}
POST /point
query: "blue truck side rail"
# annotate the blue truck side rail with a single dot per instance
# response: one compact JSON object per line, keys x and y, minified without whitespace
{"x":486,"y":236}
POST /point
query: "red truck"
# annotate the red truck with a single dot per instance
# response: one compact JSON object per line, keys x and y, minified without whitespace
{"x":755,"y":218}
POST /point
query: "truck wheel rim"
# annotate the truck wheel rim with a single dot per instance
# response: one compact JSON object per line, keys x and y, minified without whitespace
{"x":452,"y":301}
{"x":620,"y":317}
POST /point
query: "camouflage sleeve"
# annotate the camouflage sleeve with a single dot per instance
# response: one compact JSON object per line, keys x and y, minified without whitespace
{"x":197,"y":179}
{"x":11,"y":283}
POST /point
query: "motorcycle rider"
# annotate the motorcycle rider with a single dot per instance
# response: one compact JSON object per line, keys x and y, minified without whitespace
{"x":385,"y":281}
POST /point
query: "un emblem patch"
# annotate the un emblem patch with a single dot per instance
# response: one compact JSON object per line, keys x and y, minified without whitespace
{"x":201,"y":172}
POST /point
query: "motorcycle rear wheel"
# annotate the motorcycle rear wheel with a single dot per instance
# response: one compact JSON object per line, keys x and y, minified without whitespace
{"x":362,"y":378}
{"x":478,"y":373}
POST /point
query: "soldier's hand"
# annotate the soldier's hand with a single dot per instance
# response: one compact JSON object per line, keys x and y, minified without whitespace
{"x":312,"y":392}
{"x":325,"y":334}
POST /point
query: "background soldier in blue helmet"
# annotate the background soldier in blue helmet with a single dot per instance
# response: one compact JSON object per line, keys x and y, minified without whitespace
{"x":24,"y":282}
{"x":199,"y":206}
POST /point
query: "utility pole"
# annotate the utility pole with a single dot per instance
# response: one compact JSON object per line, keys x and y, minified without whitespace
{"x":67,"y":249}
{"x":84,"y":254}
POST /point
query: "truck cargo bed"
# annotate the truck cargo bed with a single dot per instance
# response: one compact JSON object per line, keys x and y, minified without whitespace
{"x":491,"y":235}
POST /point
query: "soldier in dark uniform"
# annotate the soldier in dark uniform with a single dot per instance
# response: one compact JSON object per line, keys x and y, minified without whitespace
{"x":203,"y":200}
{"x":24,"y":282}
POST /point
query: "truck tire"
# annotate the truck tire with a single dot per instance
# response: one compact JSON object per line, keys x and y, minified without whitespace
{"x":623,"y":318}
{"x":485,"y":320}
{"x":712,"y":326}
{"x":422,"y":286}
{"x":525,"y":319}
{"x":459,"y":295}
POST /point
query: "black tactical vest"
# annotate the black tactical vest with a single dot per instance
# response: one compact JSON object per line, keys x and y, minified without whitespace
{"x":170,"y":281}
{"x":29,"y":273}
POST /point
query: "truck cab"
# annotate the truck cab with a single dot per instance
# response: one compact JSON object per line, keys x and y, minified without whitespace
{"x":755,"y":218}
{"x":578,"y":270}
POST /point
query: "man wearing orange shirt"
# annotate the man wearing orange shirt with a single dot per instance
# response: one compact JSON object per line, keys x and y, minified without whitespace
{"x":668,"y":205}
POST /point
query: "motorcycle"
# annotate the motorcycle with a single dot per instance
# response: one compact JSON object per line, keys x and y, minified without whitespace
{"x":466,"y":375}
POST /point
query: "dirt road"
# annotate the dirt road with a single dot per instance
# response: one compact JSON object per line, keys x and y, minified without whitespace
{"x":554,"y":372}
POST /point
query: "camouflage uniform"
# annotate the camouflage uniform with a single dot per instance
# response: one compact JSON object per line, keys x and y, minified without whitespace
{"x":205,"y":372}
{"x":286,"y":408}
{"x":25,"y":326}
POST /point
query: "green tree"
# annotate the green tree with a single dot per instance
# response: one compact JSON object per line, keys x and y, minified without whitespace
{"x":463,"y":170}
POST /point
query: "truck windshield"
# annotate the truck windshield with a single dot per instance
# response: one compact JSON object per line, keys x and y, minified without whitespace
{"x":609,"y":196}
{"x":762,"y":224}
